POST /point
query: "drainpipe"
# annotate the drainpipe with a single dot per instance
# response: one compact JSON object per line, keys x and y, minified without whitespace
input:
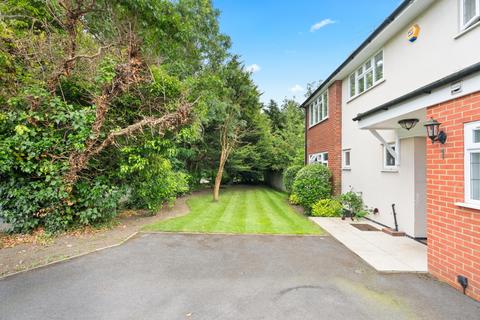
{"x":395,"y":217}
{"x":305,"y":137}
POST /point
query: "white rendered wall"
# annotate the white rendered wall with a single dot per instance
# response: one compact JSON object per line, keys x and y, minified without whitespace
{"x":381,"y":188}
{"x":437,"y":53}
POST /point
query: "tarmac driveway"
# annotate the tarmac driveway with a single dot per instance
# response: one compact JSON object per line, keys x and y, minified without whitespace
{"x":174,"y":276}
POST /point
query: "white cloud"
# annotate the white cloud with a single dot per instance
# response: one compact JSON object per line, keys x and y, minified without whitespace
{"x":321,"y":24}
{"x":296,"y":89}
{"x":253,"y":68}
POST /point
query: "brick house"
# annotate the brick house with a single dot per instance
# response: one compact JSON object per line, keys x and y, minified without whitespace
{"x":367,"y":120}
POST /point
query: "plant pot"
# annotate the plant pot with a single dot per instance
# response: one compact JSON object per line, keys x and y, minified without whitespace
{"x":347,"y":213}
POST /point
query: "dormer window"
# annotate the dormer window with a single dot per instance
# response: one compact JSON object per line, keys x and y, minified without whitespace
{"x":368,"y":75}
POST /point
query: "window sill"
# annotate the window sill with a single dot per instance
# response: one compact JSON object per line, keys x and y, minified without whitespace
{"x":347,"y":169}
{"x":390,"y":170}
{"x":361,"y":94}
{"x":468,"y":205}
{"x":464,"y":31}
{"x":316,"y":124}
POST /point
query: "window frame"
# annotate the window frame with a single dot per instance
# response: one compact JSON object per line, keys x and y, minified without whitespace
{"x":473,"y":20}
{"x":470,"y":147}
{"x":346,"y":166}
{"x":322,"y":155}
{"x":394,"y":146}
{"x":318,"y":109}
{"x":363,"y":75}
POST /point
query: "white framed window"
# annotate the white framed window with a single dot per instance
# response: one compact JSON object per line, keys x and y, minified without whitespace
{"x":472,"y":162}
{"x":346,"y":158}
{"x":318,"y":109}
{"x":321,"y":157}
{"x":368,"y":75}
{"x":389,"y":161}
{"x":469,"y":13}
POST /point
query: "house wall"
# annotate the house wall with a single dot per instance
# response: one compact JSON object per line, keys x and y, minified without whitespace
{"x":438,"y":52}
{"x":382,"y":188}
{"x":453,"y":231}
{"x":326,"y":135}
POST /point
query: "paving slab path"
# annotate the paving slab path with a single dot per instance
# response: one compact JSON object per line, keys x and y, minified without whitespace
{"x":182,"y":276}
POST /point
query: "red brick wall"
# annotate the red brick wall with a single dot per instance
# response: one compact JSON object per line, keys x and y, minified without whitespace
{"x":453,"y":231}
{"x":327,"y":135}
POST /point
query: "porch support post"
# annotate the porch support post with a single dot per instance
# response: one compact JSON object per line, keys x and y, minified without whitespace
{"x":392,"y":152}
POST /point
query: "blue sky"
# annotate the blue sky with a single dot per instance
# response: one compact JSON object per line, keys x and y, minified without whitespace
{"x":288,"y":43}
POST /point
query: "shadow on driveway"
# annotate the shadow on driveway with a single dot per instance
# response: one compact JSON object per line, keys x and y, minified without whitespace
{"x":180,"y":276}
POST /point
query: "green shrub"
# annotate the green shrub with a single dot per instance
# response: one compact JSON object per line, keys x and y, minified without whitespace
{"x":289,"y":176}
{"x":22,"y":200}
{"x":353,"y":202}
{"x":96,"y":203}
{"x":28,"y":205}
{"x":293,"y":199}
{"x":156,"y":184}
{"x":327,"y":208}
{"x":311,"y":184}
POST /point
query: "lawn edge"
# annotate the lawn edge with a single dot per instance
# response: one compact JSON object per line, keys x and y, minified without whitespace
{"x":324,"y":234}
{"x":296,"y":209}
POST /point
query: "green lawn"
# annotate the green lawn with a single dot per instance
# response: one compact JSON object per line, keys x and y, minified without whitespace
{"x":252,"y":210}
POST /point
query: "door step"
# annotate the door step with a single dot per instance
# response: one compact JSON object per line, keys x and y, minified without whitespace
{"x":393,"y":233}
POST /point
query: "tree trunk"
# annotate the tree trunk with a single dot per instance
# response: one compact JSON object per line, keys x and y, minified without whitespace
{"x":218,"y":178}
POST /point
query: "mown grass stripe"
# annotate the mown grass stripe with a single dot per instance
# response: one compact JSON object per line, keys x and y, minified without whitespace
{"x":215,"y":210}
{"x":299,"y":219}
{"x":294,"y":222}
{"x":189,"y":217}
{"x":240,"y":210}
{"x":275,"y":212}
{"x":225,"y":220}
{"x":259,"y":199}
{"x":253,"y":221}
{"x":237,"y":223}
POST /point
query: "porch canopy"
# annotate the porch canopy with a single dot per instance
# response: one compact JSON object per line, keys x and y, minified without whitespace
{"x":414,"y":105}
{"x":410,"y":105}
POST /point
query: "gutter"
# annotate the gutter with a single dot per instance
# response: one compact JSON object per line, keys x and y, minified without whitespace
{"x":370,"y":38}
{"x":423,"y":90}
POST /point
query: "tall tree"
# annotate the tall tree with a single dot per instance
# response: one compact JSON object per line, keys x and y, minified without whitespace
{"x":85,"y":77}
{"x":288,"y":139}
{"x":230,"y":130}
{"x":274,"y":114}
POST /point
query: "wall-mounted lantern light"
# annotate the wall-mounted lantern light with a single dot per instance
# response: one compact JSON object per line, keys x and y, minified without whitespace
{"x":408,"y":123}
{"x":433,"y":131}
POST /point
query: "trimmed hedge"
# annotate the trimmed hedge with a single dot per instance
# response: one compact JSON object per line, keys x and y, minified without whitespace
{"x":311,"y":184}
{"x":289,"y":176}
